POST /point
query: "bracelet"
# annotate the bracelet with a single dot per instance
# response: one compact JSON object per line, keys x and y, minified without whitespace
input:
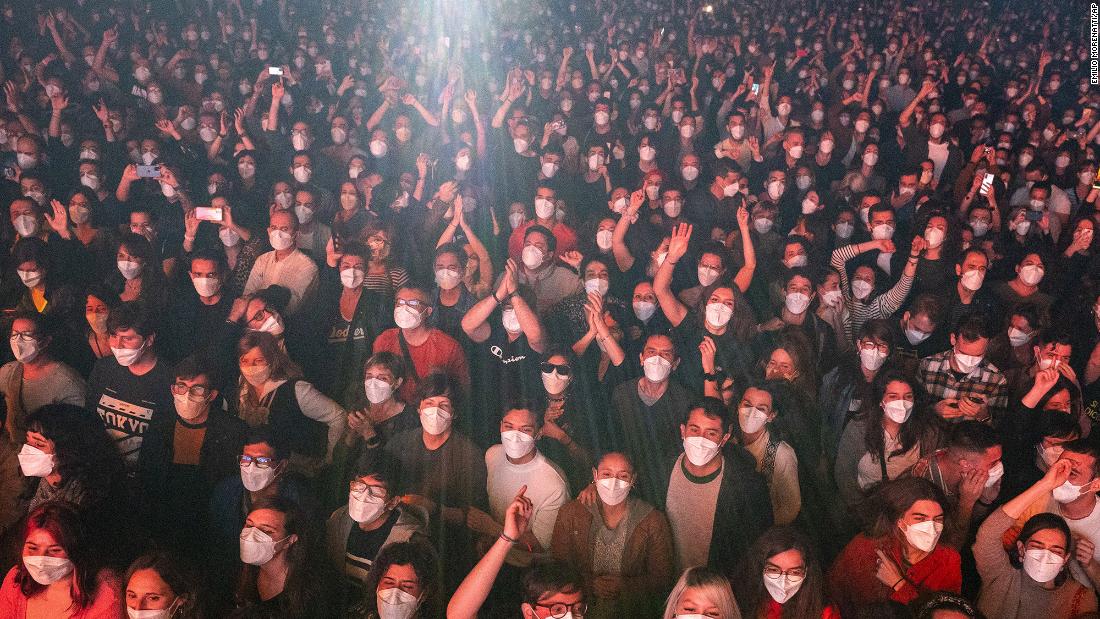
{"x":495,"y":297}
{"x":504,"y":536}
{"x":900,"y":580}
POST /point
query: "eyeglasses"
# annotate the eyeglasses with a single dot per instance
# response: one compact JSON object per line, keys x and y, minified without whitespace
{"x":869,"y":345}
{"x":557,"y":611}
{"x":195,"y":391}
{"x":260,"y":462}
{"x":793,"y":575}
{"x":24,"y":336}
{"x":415,"y":304}
{"x":358,"y":487}
{"x":562,"y":369}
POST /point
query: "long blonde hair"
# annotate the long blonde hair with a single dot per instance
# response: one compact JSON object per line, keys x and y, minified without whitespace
{"x":712,"y":585}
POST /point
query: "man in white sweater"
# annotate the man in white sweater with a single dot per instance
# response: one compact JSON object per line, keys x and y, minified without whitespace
{"x":512,"y":465}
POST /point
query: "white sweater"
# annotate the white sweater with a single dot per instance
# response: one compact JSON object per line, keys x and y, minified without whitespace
{"x":546,"y":488}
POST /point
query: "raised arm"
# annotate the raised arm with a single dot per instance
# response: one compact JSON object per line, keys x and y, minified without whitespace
{"x":425,"y":113}
{"x":674,"y":310}
{"x":623,"y":257}
{"x":479,"y":127}
{"x":475,"y":588}
{"x":906,"y":114}
{"x":515,"y":91}
{"x":743,"y":279}
{"x":475,"y":324}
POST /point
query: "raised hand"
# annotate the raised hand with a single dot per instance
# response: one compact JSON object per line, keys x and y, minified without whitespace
{"x":517,"y":518}
{"x":678,"y":244}
{"x":278,"y":89}
{"x":58,"y":218}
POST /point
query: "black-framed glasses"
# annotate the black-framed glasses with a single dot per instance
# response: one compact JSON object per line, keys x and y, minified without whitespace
{"x":24,"y":336}
{"x":194,"y":391}
{"x":359,"y":487}
{"x":562,"y":369}
{"x":559,"y":610}
{"x":261,"y":462}
{"x":869,"y":345}
{"x":793,"y":575}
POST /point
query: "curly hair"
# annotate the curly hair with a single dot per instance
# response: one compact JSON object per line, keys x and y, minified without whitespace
{"x":83,"y":451}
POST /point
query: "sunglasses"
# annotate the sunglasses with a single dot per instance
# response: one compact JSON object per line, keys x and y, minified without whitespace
{"x":561,"y":369}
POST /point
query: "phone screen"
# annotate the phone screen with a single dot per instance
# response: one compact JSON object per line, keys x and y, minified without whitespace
{"x":756,"y":89}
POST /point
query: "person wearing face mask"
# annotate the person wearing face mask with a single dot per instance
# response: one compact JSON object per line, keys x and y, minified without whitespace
{"x":546,"y":217}
{"x":1040,"y":194}
{"x":158,"y":585}
{"x":380,"y":414}
{"x":183,"y":459}
{"x":705,"y":479}
{"x":644,"y":566}
{"x":313,"y":236}
{"x":970,"y":294}
{"x":1031,"y":579}
{"x":439,"y":468}
{"x":846,"y":386}
{"x":968,"y":471}
{"x":775,"y":459}
{"x":350,"y":318}
{"x":201,"y":309}
{"x":783,"y":577}
{"x":36,"y":377}
{"x":899,"y":556}
{"x":717,"y":205}
{"x":709,"y":321}
{"x":1026,"y":287}
{"x":508,"y":337}
{"x":275,"y":550}
{"x":537,"y":269}
{"x":285,"y":265}
{"x":892,"y":431}
{"x":404,"y":579}
{"x":130,"y":390}
{"x":513,"y":465}
{"x":961,"y":382}
{"x":58,"y":570}
{"x":371,"y":519}
{"x":799,"y":292}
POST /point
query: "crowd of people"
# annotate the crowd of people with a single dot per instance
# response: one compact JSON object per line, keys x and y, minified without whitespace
{"x":542,"y":308}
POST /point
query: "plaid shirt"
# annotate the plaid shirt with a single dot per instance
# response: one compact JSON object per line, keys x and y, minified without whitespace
{"x":984,"y":382}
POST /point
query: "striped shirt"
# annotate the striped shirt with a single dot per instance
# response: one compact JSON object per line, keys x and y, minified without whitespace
{"x":859,"y":312}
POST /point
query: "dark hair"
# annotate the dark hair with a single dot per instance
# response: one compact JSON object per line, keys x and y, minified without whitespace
{"x":1028,"y":311}
{"x":712,"y":408}
{"x":421,"y":556}
{"x":393,"y":362}
{"x":436,"y":384}
{"x":282,"y":367}
{"x":263,"y":434}
{"x":1054,"y":424}
{"x":1058,"y":335}
{"x":130,"y":315}
{"x":972,"y":327}
{"x":548,"y":577}
{"x":139,"y":247}
{"x":355,"y":248}
{"x":63,"y":522}
{"x":32,"y":249}
{"x":551,"y":241}
{"x":872,"y":413}
{"x":83,"y":451}
{"x":928,"y":304}
{"x":879,"y":329}
{"x":1085,"y":447}
{"x":218,"y":258}
{"x":752,"y":596}
{"x":300,"y":586}
{"x":196,"y":365}
{"x":947,"y":601}
{"x":456,"y":249}
{"x":972,"y":437}
{"x":1042,"y":522}
{"x":520,"y":404}
{"x":892,"y":499}
{"x":179,"y":576}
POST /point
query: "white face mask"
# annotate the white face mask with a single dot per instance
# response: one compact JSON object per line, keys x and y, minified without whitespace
{"x":365,"y":508}
{"x":1067,"y":492}
{"x":1031,"y":274}
{"x":352,"y":278}
{"x":509,"y":321}
{"x":280,"y":240}
{"x":154,"y":613}
{"x":690,"y":173}
{"x":206,"y":286}
{"x":612,"y":491}
{"x":898,"y":410}
{"x":707,"y":275}
{"x":406,"y":317}
{"x":1042,"y":565}
{"x":532,"y":257}
{"x":934,"y":236}
{"x":127,"y":356}
{"x":781,"y":589}
{"x":187,"y":408}
{"x":34,"y":462}
{"x":257,"y":547}
{"x":603,"y":239}
{"x":861,"y":289}
{"x":47,"y":570}
{"x":972,"y":280}
{"x":554,"y":383}
{"x":1017,"y":337}
{"x":718,"y":314}
{"x":396,"y":604}
{"x":644,"y":310}
{"x":751,"y":419}
{"x":516,"y":444}
{"x":882,"y":232}
{"x":516,"y":220}
{"x":995,"y":474}
{"x":966,"y":363}
{"x":435,"y":420}
{"x":544,"y":209}
{"x":656,"y":368}
{"x":700,"y":450}
{"x":797,"y":302}
{"x":762,"y":225}
{"x":377,"y":390}
{"x":871,"y":359}
{"x":255,"y":478}
{"x":1050,"y":455}
{"x":256,"y":375}
{"x":549,"y":169}
{"x":796,"y":261}
{"x":26,"y":225}
{"x":844,"y":230}
{"x":924,"y":535}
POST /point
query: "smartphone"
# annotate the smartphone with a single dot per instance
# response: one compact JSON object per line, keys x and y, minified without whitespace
{"x":708,"y":8}
{"x":1096,"y":180}
{"x":208,"y":213}
{"x":977,"y":399}
{"x":1034,"y":215}
{"x":756,"y":89}
{"x":275,"y":71}
{"x":148,"y":171}
{"x":987,"y":184}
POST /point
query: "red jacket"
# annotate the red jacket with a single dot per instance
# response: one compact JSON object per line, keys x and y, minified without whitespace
{"x":439,"y":351}
{"x":852,"y":580}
